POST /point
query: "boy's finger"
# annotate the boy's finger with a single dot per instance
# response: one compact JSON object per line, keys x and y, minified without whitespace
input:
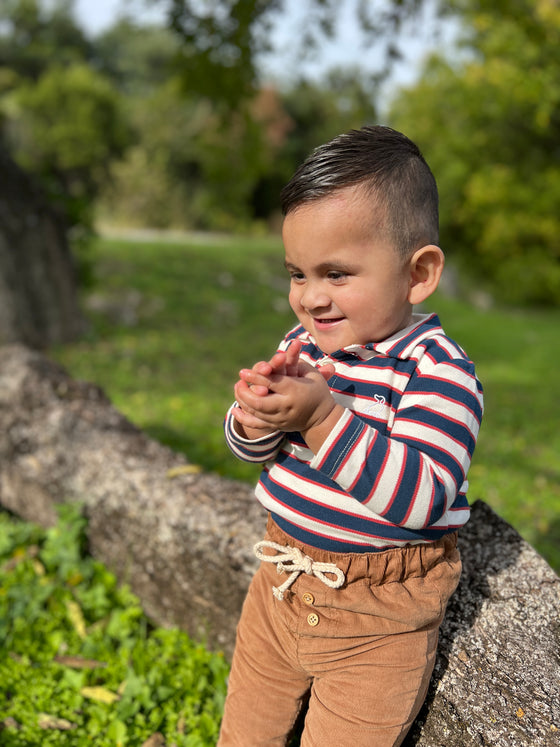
{"x":292,"y":358}
{"x":326,"y":371}
{"x":259,"y":384}
{"x":254,"y":403}
{"x":259,"y":390}
{"x":263,"y":367}
{"x":278,"y":363}
{"x":247,"y":419}
{"x":247,"y":396}
{"x":241,"y":390}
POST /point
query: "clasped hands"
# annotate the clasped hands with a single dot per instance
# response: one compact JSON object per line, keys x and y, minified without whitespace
{"x":285,"y":394}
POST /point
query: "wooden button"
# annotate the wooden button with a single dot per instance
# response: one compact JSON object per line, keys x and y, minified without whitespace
{"x":308,"y":598}
{"x":313,"y":619}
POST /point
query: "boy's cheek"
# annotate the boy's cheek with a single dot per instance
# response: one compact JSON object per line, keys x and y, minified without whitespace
{"x":293,"y":300}
{"x":300,"y":314}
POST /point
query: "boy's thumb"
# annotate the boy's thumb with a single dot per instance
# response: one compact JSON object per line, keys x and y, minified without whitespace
{"x":326,"y":371}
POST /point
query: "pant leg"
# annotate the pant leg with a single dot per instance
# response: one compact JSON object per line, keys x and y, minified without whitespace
{"x":372,"y":699}
{"x":371,"y":665}
{"x":370,"y":645}
{"x":266,"y":687}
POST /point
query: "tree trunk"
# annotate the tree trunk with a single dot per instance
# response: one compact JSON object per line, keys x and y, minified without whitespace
{"x":38,"y":299}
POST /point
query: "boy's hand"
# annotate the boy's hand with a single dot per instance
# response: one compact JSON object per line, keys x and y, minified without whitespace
{"x":286,"y":362}
{"x":283,"y":364}
{"x":258,"y":380}
{"x":299,"y":401}
{"x":298,"y":411}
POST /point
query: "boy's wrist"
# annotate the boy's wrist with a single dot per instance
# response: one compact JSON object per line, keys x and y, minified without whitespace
{"x":316,"y":435}
{"x":251,"y":434}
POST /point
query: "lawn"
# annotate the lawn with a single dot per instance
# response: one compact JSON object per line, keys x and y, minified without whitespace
{"x":171,"y":323}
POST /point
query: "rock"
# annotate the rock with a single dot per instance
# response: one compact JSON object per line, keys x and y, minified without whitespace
{"x":183,"y":540}
{"x":497,"y":676}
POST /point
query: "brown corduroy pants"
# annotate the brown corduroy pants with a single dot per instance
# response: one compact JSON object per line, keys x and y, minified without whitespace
{"x":363,"y":653}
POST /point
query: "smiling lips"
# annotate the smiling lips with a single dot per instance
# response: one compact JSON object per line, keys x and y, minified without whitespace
{"x":321,"y":323}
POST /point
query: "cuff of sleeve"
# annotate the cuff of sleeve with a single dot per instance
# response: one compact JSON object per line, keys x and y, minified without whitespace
{"x":333,"y":452}
{"x":266,"y":440}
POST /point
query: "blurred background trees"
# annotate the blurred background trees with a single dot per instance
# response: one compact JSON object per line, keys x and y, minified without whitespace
{"x":61,"y":119}
{"x":175,"y":125}
{"x":488,"y":121}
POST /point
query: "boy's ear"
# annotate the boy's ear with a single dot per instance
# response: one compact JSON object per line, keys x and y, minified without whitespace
{"x":426,"y":266}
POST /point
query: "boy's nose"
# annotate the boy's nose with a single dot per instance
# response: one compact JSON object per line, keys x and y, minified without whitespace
{"x":314,"y":297}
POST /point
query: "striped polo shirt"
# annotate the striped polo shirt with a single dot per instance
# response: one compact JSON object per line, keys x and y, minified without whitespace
{"x":393,"y":470}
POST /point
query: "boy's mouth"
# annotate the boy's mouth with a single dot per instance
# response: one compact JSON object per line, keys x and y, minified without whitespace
{"x":323,"y":323}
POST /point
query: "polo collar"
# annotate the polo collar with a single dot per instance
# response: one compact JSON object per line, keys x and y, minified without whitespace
{"x":400,"y":345}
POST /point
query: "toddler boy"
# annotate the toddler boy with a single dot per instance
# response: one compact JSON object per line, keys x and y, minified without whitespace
{"x":365,"y":421}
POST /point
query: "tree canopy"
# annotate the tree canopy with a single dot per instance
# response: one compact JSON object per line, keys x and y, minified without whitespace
{"x":223,"y":40}
{"x":174,"y":126}
{"x":33,"y":35}
{"x":489,"y":124}
{"x":59,"y":118}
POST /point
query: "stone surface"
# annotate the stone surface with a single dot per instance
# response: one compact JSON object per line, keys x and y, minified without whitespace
{"x":497,"y":677}
{"x":183,"y":541}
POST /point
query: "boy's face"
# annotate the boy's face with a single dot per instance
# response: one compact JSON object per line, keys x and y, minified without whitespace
{"x":348,"y":285}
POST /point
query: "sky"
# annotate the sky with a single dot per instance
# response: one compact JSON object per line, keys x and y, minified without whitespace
{"x":346,"y":49}
{"x":98,"y":15}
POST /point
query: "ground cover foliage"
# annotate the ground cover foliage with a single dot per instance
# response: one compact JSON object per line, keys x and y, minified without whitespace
{"x":80,"y":663}
{"x":171,"y":323}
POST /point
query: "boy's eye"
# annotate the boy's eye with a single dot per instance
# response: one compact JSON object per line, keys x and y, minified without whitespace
{"x":297,"y":277}
{"x":336,"y":275}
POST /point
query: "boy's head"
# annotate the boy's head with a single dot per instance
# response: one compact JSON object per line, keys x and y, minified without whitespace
{"x":392,"y":173}
{"x":360,"y":233}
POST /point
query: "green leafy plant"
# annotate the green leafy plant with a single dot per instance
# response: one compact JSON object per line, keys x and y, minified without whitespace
{"x":80,"y":663}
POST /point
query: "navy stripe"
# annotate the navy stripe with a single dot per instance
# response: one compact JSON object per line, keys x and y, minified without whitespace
{"x":323,"y":542}
{"x":456,"y":431}
{"x":332,"y":461}
{"x":438,"y":455}
{"x":399,"y":347}
{"x":399,"y":507}
{"x":367,"y":526}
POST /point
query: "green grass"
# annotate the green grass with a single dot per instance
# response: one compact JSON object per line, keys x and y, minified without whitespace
{"x":172,"y":323}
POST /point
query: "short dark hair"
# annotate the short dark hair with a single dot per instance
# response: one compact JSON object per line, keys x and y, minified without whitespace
{"x":392,"y":170}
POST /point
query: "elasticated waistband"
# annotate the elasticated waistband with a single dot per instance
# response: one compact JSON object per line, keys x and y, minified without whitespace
{"x":385,"y":566}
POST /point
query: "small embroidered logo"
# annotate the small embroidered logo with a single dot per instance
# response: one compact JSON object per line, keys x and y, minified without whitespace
{"x":377,"y":405}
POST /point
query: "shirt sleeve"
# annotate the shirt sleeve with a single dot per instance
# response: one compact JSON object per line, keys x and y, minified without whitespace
{"x":259,"y":450}
{"x":262,"y":449}
{"x":412,"y":476}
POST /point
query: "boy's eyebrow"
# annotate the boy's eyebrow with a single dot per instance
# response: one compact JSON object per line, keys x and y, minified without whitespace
{"x":326,"y":266}
{"x":291,"y":267}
